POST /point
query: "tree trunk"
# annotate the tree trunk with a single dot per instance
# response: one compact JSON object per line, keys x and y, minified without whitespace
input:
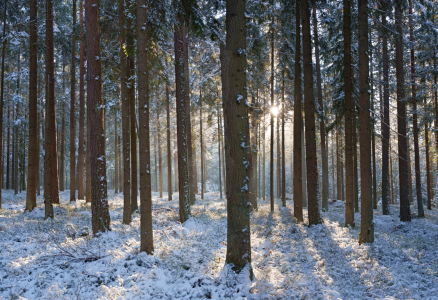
{"x":126,"y":134}
{"x":279,"y":183}
{"x":88,"y":158}
{"x":62,"y":136}
{"x":236,"y":134}
{"x":181,"y":116}
{"x":99,"y":200}
{"x":72,"y":111}
{"x":309,"y":107}
{"x":50,"y":136}
{"x":219,"y":150}
{"x":324,"y":158}
{"x":146,"y":232}
{"x":2,"y":84}
{"x":202,"y":144}
{"x":298,"y":123}
{"x":130,"y":74}
{"x":81,"y":146}
{"x":156,"y":163}
{"x":252,"y":169}
{"x":116,"y":153}
{"x":15,"y":168}
{"x":283,"y":152}
{"x":415,"y":125}
{"x":366,"y":234}
{"x":373,"y":139}
{"x":271,"y":149}
{"x":169,"y":151}
{"x":428,"y":175}
{"x":355,"y":167}
{"x":33,"y":109}
{"x":405,"y":213}
{"x":350,"y":129}
{"x":386,"y":120}
{"x":186,"y":91}
{"x":160,"y":161}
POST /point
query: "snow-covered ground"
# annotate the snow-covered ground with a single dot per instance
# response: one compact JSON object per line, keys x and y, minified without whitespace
{"x":57,"y":259}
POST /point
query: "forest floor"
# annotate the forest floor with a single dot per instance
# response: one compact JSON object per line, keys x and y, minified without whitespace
{"x":57,"y":259}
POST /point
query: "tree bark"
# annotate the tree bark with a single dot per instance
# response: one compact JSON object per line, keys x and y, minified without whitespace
{"x":350,"y":129}
{"x":283,"y":151}
{"x":130,"y":74}
{"x":169,"y":151}
{"x":236,"y":139}
{"x":116,"y":152}
{"x":324,"y":158}
{"x":202,"y":144}
{"x":62,"y":136}
{"x":181,"y":116}
{"x":386,"y":120}
{"x":160,"y":161}
{"x":428,"y":175}
{"x":219,"y":150}
{"x":366,"y":234}
{"x":72,"y":111}
{"x":298,"y":123}
{"x":99,"y":201}
{"x":81,"y":146}
{"x":271,"y":80}
{"x":126,"y":135}
{"x":190,"y":156}
{"x":146,"y":232}
{"x":415,"y":125}
{"x":50,"y":124}
{"x":405,"y":213}
{"x":309,"y":107}
{"x":33,"y":109}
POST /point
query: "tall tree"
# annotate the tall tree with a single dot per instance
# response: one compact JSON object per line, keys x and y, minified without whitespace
{"x":2,"y":88}
{"x":169,"y":151}
{"x":236,"y":138}
{"x":160,"y":160}
{"x":298,"y":122}
{"x":386,"y":120}
{"x":366,"y":234}
{"x":72,"y":110}
{"x":181,"y":112}
{"x":50,"y":123}
{"x":99,"y":201}
{"x":130,"y":81}
{"x":146,"y":233}
{"x":202,"y":144}
{"x":405,"y":212}
{"x":350,"y":130}
{"x":324,"y":157}
{"x":33,"y":109}
{"x":414,"y":119}
{"x":126,"y":136}
{"x":191,"y":161}
{"x":81,"y":149}
{"x":271,"y":82}
{"x":309,"y":108}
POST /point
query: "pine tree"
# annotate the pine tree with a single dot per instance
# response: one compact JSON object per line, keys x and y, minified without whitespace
{"x":33,"y":109}
{"x":298,"y":123}
{"x":236,"y":141}
{"x":309,"y":109}
{"x":99,"y":200}
{"x":366,"y":234}
{"x":405,"y":213}
{"x":146,"y":233}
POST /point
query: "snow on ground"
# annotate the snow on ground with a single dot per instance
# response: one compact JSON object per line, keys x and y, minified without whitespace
{"x":57,"y":259}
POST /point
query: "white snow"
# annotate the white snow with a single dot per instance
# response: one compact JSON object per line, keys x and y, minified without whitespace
{"x":57,"y":259}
